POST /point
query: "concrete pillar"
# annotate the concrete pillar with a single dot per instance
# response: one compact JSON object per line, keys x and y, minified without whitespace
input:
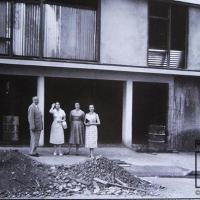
{"x":127,"y":113}
{"x":40,"y":94}
{"x":172,"y":120}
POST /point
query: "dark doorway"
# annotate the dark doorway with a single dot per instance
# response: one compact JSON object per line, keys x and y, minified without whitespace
{"x":150,"y":102}
{"x":16,"y":94}
{"x":105,"y":95}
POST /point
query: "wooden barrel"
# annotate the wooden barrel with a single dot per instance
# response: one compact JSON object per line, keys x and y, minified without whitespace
{"x":11,"y":128}
{"x":157,"y":138}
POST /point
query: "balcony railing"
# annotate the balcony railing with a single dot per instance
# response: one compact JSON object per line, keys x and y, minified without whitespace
{"x":164,"y":58}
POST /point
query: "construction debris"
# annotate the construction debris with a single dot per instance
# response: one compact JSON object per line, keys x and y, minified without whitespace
{"x":23,"y":177}
{"x":120,"y":182}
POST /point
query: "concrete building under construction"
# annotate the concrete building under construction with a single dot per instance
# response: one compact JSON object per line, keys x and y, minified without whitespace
{"x":137,"y":61}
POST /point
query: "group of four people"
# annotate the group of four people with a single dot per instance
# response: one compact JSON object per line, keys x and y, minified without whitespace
{"x":83,"y":127}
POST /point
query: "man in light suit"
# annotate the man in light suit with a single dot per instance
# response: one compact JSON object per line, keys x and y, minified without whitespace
{"x":35,"y":125}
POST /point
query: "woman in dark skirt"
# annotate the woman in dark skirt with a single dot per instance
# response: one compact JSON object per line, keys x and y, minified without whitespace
{"x":77,"y":128}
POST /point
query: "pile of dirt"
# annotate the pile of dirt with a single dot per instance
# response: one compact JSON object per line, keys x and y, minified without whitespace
{"x":21,"y":176}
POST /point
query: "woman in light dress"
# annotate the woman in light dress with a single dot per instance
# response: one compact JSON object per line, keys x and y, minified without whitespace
{"x":77,"y":128}
{"x":91,"y":133}
{"x":57,"y":132}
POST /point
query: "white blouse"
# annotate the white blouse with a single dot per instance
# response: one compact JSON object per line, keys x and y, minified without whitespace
{"x":58,"y":114}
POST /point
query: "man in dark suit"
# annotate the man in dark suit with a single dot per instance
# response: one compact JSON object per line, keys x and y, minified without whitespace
{"x":35,"y":125}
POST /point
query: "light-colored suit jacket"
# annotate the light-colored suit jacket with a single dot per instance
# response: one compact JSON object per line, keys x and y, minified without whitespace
{"x":35,"y":118}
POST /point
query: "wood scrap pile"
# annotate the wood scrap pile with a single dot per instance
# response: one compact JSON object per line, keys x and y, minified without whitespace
{"x":101,"y":176}
{"x":20,"y":176}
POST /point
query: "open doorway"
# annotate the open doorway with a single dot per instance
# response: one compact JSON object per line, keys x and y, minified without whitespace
{"x":105,"y":95}
{"x":150,"y":102}
{"x":16,"y":94}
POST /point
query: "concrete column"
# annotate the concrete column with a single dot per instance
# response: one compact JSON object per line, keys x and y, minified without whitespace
{"x":40,"y":94}
{"x":127,"y":113}
{"x":172,"y":120}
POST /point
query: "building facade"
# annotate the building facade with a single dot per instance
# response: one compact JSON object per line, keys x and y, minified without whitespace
{"x":137,"y":61}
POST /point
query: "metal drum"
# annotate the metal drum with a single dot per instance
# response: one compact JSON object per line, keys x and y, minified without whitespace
{"x":11,"y":128}
{"x":157,"y":138}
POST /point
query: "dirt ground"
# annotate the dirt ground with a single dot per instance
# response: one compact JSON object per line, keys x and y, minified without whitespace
{"x":23,"y":177}
{"x":20,"y":175}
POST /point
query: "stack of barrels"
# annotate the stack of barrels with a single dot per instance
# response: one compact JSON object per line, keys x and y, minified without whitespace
{"x":157,"y":138}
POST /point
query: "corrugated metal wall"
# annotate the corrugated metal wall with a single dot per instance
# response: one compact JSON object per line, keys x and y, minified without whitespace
{"x":5,"y":22}
{"x":69,"y":32}
{"x":26,"y":29}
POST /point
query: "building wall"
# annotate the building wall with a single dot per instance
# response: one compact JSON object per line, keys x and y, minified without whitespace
{"x":124,"y":32}
{"x":186,"y":113}
{"x":193,"y":39}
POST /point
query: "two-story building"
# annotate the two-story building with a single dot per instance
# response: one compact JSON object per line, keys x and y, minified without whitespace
{"x":137,"y":61}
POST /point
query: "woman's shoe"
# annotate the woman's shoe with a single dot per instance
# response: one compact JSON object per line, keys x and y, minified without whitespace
{"x":55,"y":154}
{"x":91,"y":156}
{"x":60,"y":154}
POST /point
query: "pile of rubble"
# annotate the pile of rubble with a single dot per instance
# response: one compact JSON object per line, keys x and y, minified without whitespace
{"x":100,"y":176}
{"x":23,"y":177}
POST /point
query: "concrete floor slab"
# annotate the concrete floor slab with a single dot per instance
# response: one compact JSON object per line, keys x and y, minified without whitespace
{"x":181,"y":160}
{"x":158,"y":171}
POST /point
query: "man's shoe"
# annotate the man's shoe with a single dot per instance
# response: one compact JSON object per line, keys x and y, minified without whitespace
{"x":34,"y":155}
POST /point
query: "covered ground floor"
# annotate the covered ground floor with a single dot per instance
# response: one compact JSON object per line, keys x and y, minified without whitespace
{"x":128,"y":104}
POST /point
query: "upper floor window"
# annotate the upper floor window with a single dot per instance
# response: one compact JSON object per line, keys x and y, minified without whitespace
{"x":167,"y":35}
{"x":69,"y":32}
{"x":53,"y":29}
{"x":5,"y":27}
{"x":26,"y":29}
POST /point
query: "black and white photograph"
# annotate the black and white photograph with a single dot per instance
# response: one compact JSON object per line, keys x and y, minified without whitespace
{"x":100,"y":99}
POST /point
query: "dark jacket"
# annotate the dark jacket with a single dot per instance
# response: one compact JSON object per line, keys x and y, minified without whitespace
{"x":35,"y":118}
